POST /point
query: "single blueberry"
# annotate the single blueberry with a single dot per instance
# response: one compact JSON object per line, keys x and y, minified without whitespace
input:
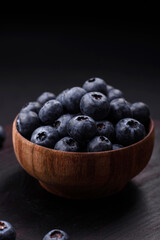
{"x":119,"y":109}
{"x":31,"y":106}
{"x":82,"y":128}
{"x":106,"y":128}
{"x":116,"y":146}
{"x":95,"y":105}
{"x":45,"y":136}
{"x":61,"y":124}
{"x":50,"y":111}
{"x":109,"y":87}
{"x":45,"y":97}
{"x":7,"y":231}
{"x":61,"y":97}
{"x":141,"y":112}
{"x":2,"y":135}
{"x":67,"y":144}
{"x":114,"y":93}
{"x":99,"y":144}
{"x":72,"y":99}
{"x":27,"y":122}
{"x":95,"y":85}
{"x":129,"y":131}
{"x":56,"y":234}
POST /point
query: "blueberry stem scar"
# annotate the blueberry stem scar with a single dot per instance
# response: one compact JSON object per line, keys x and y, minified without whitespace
{"x":100,"y":126}
{"x":91,"y":80}
{"x":81,"y":118}
{"x":132,"y":123}
{"x":97,"y":96}
{"x":56,"y":234}
{"x":71,"y":142}
{"x":103,"y":138}
{"x":41,"y":136}
{"x":2,"y":226}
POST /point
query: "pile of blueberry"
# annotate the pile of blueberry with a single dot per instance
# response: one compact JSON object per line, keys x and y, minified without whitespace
{"x":92,"y":118}
{"x":8,"y":232}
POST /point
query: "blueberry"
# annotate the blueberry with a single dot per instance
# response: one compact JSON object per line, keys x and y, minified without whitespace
{"x":67,"y":144}
{"x":114,"y":93}
{"x":116,"y":146}
{"x":109,"y":87}
{"x":31,"y":106}
{"x":72,"y":99}
{"x":27,"y":122}
{"x":2,"y":135}
{"x":95,"y":85}
{"x":129,"y":131}
{"x":45,"y":136}
{"x":119,"y":109}
{"x":95,"y":105}
{"x":45,"y":97}
{"x":82,"y":128}
{"x":141,"y":112}
{"x":56,"y":234}
{"x":50,"y":111}
{"x":7,"y":231}
{"x":106,"y":128}
{"x":61,"y":124}
{"x":99,"y":144}
{"x":61,"y":96}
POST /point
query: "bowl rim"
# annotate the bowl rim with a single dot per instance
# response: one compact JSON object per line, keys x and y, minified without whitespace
{"x":151,"y":129}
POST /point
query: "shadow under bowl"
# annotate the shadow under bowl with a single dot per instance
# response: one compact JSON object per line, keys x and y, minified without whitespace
{"x":83,"y":175}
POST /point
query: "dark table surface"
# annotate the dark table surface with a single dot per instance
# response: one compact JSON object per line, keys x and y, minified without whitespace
{"x":132,"y":214}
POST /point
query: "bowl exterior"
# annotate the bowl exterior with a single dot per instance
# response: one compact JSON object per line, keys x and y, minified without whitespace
{"x":82,"y":175}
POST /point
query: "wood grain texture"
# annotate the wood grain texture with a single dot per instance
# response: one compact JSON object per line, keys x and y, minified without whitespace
{"x":132,"y":214}
{"x":83,"y":175}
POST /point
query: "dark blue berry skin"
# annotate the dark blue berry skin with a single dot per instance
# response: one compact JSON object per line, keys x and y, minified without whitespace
{"x":82,"y":128}
{"x":67,"y":144}
{"x":95,"y":85}
{"x":56,"y":234}
{"x":72,"y":99}
{"x":27,"y":122}
{"x":95,"y":105}
{"x":7,"y":231}
{"x":45,"y":136}
{"x":45,"y":97}
{"x":109,"y":87}
{"x":114,"y":93}
{"x":116,"y":146}
{"x":99,"y":144}
{"x":61,"y":124}
{"x":2,"y":136}
{"x":119,"y":109}
{"x":50,"y":111}
{"x":32,"y":106}
{"x":106,"y":128}
{"x":141,"y":112}
{"x":61,"y":97}
{"x":129,"y":131}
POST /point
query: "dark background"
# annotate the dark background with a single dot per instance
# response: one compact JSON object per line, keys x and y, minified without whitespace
{"x":45,"y":53}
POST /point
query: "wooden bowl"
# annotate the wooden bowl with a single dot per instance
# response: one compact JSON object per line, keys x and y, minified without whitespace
{"x":83,"y":175}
